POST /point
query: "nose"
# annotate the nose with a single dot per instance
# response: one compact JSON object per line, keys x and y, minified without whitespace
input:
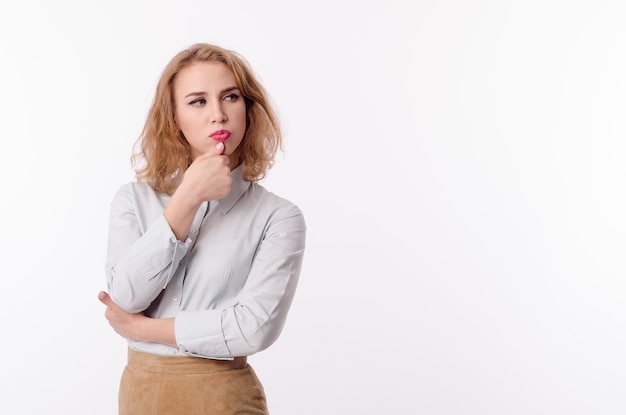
{"x":217,"y":114}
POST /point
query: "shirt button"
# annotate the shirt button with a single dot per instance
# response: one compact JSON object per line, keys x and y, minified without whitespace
{"x":193,"y":231}
{"x":175,"y":298}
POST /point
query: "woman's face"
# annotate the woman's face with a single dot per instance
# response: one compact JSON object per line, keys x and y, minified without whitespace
{"x":210,"y":108}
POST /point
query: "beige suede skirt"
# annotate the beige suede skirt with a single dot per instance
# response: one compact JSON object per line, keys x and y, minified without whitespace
{"x":185,"y":385}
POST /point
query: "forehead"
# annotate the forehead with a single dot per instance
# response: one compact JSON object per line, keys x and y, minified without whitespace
{"x":204,"y":76}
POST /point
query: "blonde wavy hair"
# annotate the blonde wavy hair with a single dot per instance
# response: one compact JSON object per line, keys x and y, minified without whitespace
{"x":161,"y":154}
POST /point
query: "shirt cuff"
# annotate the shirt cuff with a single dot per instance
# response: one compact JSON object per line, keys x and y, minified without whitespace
{"x":199,"y":333}
{"x":155,"y":261}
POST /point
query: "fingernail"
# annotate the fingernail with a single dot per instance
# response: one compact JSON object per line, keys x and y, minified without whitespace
{"x":220,"y":146}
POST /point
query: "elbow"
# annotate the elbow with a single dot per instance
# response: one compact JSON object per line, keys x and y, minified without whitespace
{"x":246,"y":335}
{"x":125,"y":302}
{"x":123,"y":295}
{"x":261,"y":340}
{"x":127,"y":305}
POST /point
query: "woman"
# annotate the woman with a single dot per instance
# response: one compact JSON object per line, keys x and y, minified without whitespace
{"x":202,"y":261}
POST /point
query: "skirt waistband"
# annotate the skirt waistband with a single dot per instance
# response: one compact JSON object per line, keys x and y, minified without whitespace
{"x":181,"y":364}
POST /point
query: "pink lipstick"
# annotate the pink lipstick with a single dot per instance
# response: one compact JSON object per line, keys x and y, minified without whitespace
{"x":220,"y":135}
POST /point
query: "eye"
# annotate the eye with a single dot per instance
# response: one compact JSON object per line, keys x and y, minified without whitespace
{"x":231,"y":97}
{"x":198,"y":102}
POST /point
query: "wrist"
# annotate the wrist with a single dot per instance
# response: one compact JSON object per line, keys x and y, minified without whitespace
{"x":157,"y":330}
{"x":142,"y":330}
{"x":186,"y":196}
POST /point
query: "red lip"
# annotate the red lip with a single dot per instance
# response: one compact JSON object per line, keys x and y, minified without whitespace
{"x":220,"y":135}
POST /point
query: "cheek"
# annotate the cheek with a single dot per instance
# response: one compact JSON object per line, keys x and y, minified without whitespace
{"x":184,"y":122}
{"x":179,"y":119}
{"x":242,"y":117}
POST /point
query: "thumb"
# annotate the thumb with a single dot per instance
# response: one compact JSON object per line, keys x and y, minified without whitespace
{"x":219,"y":147}
{"x":104,"y":298}
{"x":216,"y":150}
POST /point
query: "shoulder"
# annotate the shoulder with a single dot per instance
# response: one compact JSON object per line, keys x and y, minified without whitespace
{"x":137,"y":192}
{"x":139,"y":188}
{"x":270,"y":198}
{"x":275,"y":204}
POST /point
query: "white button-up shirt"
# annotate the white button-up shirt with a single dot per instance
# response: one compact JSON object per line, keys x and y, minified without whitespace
{"x":229,"y":285}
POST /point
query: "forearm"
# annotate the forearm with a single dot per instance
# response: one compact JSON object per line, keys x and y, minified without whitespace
{"x":180,"y":212}
{"x":136,"y":326}
{"x":137,"y":272}
{"x":256,"y":317}
{"x":142,"y":251}
{"x":158,"y":330}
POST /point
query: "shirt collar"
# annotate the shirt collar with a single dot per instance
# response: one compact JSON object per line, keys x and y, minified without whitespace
{"x":237,"y":188}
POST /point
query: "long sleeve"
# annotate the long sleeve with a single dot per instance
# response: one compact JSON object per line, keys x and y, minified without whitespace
{"x":229,"y":285}
{"x":143,"y":253}
{"x":256,"y":316}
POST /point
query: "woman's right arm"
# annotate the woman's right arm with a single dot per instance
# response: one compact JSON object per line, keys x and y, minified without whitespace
{"x":141,"y":257}
{"x":143,"y":253}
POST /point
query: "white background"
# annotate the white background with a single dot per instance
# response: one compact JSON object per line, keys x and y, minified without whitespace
{"x":460,"y":165}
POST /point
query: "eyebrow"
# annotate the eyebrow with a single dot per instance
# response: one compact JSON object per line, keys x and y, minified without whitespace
{"x":200,"y":93}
